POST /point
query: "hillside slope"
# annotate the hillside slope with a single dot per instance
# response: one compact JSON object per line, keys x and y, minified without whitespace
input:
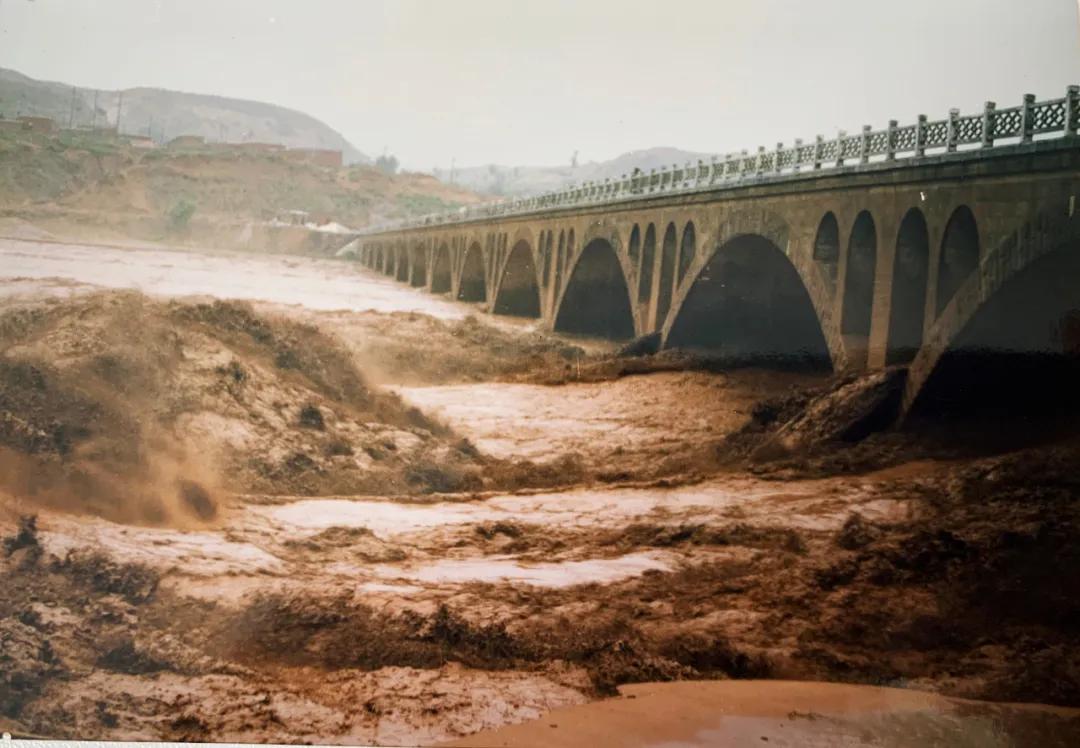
{"x":102,"y":187}
{"x":165,"y":114}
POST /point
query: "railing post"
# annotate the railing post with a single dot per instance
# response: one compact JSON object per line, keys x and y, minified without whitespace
{"x":1072,"y":109}
{"x":759,"y":167}
{"x":890,"y":141}
{"x":864,"y":145}
{"x":988,"y":124}
{"x":713,"y":164}
{"x":840,"y":148}
{"x":797,"y":156}
{"x":920,"y":135}
{"x":776,"y":158}
{"x":743,"y":169}
{"x":950,"y":138}
{"x":819,"y":142}
{"x":1027,"y":119}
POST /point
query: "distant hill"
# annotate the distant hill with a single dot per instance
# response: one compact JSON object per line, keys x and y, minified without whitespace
{"x":165,"y":114}
{"x":522,"y":181}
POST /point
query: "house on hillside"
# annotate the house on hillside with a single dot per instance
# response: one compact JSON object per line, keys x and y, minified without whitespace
{"x":294,"y":217}
{"x":144,"y":142}
{"x":45,"y":125}
{"x":320,"y":156}
{"x":259,"y":147}
{"x":187,"y":141}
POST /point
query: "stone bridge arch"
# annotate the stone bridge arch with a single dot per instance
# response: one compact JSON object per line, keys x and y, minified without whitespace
{"x":596,"y":298}
{"x":441,"y":269}
{"x":749,"y":304}
{"x":909,"y":294}
{"x":471,"y":277}
{"x":794,"y":240}
{"x":517,"y":292}
{"x":1017,"y":310}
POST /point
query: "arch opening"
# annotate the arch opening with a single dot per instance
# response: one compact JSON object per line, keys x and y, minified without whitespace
{"x":440,"y":271}
{"x":560,"y":262}
{"x":419,"y":266}
{"x":597,"y":301}
{"x":472,"y":286}
{"x":911,"y":267}
{"x":827,"y":246}
{"x":1017,"y":360}
{"x":648,"y":258}
{"x":634,"y":246}
{"x":667,"y":275}
{"x":748,"y":306}
{"x":959,"y":255}
{"x":545,"y":252}
{"x":858,"y":308}
{"x":518,"y":294}
{"x":687,"y":250}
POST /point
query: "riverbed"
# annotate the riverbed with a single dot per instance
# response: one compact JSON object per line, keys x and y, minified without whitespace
{"x":494,"y":608}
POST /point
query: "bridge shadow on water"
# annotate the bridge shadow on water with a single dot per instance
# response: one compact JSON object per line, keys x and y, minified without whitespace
{"x":1012,"y":376}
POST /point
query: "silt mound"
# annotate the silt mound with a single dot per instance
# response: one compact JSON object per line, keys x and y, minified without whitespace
{"x":142,"y":411}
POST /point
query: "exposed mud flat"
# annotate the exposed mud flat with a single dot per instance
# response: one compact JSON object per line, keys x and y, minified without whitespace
{"x":480,"y":548}
{"x":787,"y":713}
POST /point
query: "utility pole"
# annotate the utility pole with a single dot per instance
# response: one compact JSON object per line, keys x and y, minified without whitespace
{"x":119,"y":109}
{"x":71,"y":116}
{"x":93,"y":123}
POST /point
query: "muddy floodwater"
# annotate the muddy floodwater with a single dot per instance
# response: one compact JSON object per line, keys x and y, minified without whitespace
{"x":29,"y":266}
{"x":550,"y":551}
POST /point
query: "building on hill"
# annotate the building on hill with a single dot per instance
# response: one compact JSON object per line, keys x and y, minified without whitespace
{"x":294,"y":217}
{"x":44,"y":125}
{"x":141,"y":141}
{"x":187,"y":141}
{"x":320,"y":156}
{"x":259,"y":147}
{"x":103,"y":133}
{"x":11,"y":125}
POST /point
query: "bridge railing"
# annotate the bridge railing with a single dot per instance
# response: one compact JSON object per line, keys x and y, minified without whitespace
{"x":1018,"y":124}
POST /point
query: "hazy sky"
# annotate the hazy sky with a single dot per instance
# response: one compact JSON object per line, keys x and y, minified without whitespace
{"x":518,"y":82}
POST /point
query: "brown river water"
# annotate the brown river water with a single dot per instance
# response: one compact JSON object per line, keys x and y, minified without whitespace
{"x":415,"y":556}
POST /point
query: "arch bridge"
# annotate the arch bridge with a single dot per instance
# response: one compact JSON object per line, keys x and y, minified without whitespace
{"x":930,"y":245}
